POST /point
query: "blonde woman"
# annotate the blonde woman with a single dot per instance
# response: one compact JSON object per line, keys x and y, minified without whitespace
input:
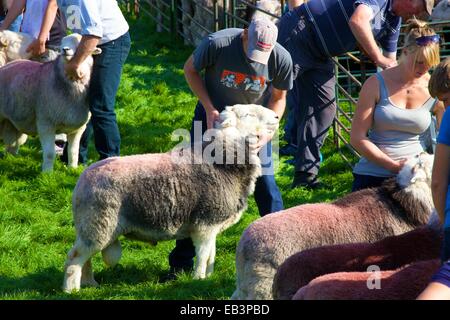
{"x":394,"y":110}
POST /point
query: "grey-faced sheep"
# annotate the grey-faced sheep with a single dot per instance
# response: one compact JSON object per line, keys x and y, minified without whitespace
{"x":173,"y":195}
{"x":13,"y":46}
{"x":343,"y":271}
{"x":400,"y":205}
{"x":40,"y":99}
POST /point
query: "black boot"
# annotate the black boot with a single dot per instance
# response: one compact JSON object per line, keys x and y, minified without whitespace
{"x":305,"y":180}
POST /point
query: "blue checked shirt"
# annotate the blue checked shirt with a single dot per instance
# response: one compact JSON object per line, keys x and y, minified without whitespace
{"x":331,"y":23}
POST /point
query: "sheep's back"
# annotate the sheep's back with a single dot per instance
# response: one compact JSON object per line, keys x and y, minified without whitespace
{"x":366,"y":216}
{"x":19,"y":88}
{"x":153,"y":192}
{"x":33,"y":92}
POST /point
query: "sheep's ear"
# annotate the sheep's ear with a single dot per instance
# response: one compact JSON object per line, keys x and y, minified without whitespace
{"x":96,"y":51}
{"x":3,"y":42}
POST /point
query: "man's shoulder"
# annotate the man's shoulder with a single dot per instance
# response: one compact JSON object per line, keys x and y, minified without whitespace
{"x":281,"y":54}
{"x":224,"y":37}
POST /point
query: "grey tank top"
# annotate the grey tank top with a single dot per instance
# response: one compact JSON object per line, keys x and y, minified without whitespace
{"x":399,"y":133}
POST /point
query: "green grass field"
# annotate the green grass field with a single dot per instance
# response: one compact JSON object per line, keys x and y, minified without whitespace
{"x":36,"y":229}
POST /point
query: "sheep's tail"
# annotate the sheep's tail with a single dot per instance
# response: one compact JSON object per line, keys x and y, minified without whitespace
{"x":112,"y":253}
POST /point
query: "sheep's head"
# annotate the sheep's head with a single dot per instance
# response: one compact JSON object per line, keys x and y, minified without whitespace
{"x":69,"y":45}
{"x":248,"y":120}
{"x":13,"y":46}
{"x":416,"y":170}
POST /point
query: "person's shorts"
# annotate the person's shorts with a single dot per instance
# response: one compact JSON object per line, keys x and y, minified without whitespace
{"x":443,"y":275}
{"x":445,"y":254}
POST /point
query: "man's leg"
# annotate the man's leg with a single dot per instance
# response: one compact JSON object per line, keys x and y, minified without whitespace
{"x":267,"y":195}
{"x":102,"y":96}
{"x":315,"y":89}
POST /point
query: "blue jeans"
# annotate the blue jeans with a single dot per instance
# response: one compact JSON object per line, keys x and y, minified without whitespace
{"x":103,"y":88}
{"x":267,"y":197}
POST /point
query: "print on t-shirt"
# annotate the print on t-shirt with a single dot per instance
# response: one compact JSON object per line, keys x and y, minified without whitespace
{"x":237,"y":80}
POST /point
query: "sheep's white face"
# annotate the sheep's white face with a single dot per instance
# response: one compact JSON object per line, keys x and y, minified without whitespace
{"x":417,"y":169}
{"x":69,"y":45}
{"x":249,"y":119}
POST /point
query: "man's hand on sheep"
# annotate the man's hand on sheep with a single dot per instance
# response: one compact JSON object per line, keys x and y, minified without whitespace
{"x":37,"y":47}
{"x":211,"y":117}
{"x":73,"y":71}
{"x":263,"y":139}
{"x":398,"y":165}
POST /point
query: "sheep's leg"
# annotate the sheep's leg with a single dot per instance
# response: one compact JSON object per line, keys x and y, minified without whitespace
{"x":87,"y":275}
{"x":47,"y":138}
{"x":112,"y":253}
{"x":76,"y":259}
{"x":12,"y":138}
{"x":202,"y":245}
{"x":73,"y":146}
{"x":211,"y":258}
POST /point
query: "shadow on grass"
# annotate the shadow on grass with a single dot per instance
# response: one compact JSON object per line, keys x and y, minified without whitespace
{"x":120,"y":282}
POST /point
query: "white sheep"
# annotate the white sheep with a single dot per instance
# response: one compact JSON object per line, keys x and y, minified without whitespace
{"x":13,"y":46}
{"x":40,"y":99}
{"x":174,"y":195}
{"x":398,"y":206}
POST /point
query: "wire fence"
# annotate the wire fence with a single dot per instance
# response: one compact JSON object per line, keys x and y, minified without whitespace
{"x":191,"y":20}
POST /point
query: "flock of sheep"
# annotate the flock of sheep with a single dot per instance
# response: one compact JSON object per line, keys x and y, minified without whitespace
{"x":296,"y":253}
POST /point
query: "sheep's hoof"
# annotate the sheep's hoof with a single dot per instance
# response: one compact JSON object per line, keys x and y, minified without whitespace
{"x":153,"y":243}
{"x":70,"y":289}
{"x":199,"y":276}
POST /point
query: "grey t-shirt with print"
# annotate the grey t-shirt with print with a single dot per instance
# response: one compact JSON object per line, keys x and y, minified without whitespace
{"x":231,"y":78}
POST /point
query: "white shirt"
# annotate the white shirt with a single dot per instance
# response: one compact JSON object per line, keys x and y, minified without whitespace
{"x":101,"y":18}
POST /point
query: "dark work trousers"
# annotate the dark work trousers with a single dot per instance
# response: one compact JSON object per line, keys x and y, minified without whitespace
{"x":362,"y":181}
{"x":445,"y":254}
{"x":314,"y":89}
{"x":267,"y":195}
{"x":103,"y":88}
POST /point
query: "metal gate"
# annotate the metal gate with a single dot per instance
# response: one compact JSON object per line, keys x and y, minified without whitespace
{"x":191,"y":20}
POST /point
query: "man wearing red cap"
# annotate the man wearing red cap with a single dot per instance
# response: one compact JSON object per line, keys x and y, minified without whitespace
{"x":242,"y":66}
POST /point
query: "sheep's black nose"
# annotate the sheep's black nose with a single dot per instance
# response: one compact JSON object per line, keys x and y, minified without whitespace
{"x":277,"y":117}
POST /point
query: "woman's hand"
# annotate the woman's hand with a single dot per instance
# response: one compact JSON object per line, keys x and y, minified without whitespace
{"x":397,"y":165}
